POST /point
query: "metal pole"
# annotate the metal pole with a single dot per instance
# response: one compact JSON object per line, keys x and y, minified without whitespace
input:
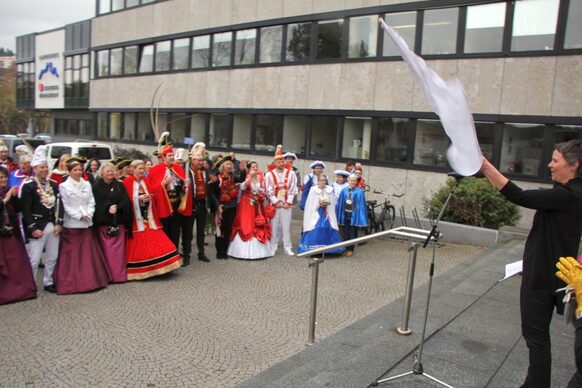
{"x":313,"y":310}
{"x":403,"y":329}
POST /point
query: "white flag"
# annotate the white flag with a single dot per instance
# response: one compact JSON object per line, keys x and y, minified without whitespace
{"x":448,"y":101}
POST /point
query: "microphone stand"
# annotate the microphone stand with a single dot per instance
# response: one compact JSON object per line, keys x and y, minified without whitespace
{"x":417,"y":367}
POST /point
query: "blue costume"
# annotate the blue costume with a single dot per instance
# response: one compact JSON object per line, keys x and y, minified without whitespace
{"x":351,"y":213}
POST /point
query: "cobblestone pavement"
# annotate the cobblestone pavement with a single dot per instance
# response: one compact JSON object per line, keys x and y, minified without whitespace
{"x":207,"y":325}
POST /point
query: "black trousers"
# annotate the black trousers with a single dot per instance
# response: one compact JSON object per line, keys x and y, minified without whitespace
{"x":198,"y":216}
{"x":537,"y":308}
{"x":222,"y":242}
{"x":172,"y":226}
{"x":350,"y":231}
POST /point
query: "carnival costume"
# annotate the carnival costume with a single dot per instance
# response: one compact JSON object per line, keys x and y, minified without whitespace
{"x":351,"y":213}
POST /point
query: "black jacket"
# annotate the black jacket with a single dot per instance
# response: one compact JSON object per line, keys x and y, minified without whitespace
{"x":34,"y":214}
{"x":111,"y":194}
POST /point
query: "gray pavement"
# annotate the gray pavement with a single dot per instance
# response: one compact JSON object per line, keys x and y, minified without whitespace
{"x":233,"y":322}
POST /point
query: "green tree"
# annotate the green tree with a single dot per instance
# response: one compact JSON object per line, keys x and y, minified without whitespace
{"x":12,"y":119}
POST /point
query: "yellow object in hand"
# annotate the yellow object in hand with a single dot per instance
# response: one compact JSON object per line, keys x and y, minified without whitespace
{"x":570,"y":271}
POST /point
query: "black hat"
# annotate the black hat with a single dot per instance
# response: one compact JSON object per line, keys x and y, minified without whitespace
{"x":227,"y":158}
{"x":122,"y":163}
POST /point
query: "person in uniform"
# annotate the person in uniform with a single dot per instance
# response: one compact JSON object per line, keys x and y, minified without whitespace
{"x":281,"y":185}
{"x":24,"y":170}
{"x":341,"y":182}
{"x":5,"y":160}
{"x":60,"y":173}
{"x":351,"y":211}
{"x":310,"y":180}
{"x":42,"y":218}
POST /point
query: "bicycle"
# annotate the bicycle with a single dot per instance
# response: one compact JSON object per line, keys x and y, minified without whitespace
{"x":383,"y":221}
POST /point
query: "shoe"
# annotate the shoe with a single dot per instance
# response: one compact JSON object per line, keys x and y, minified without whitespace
{"x":203,"y":258}
{"x":185,"y":261}
{"x":52,"y":288}
{"x":289,"y":252}
{"x":349,"y":253}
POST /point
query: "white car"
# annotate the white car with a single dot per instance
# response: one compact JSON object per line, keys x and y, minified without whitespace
{"x":89,"y":150}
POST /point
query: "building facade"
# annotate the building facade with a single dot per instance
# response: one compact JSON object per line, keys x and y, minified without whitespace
{"x":319,"y":77}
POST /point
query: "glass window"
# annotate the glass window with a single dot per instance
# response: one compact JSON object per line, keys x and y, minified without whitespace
{"x":130,"y":60}
{"x":115,"y":126}
{"x":271,"y":44}
{"x":116,"y":57}
{"x":85,"y":60}
{"x":147,"y":1}
{"x":521,"y":149}
{"x":221,"y":49}
{"x":431,"y":143}
{"x":244,"y":47}
{"x":163,"y":55}
{"x":356,"y":138}
{"x":68,"y":62}
{"x":298,"y":42}
{"x":485,"y":135}
{"x":201,"y":51}
{"x":117,"y":5}
{"x":84,"y":127}
{"x":391,"y":140}
{"x":439,"y":34}
{"x":241,"y":131}
{"x":144,"y":127}
{"x":102,"y":125}
{"x":178,"y":125}
{"x":103,"y":63}
{"x":329,"y":39}
{"x":568,"y":132}
{"x":404,"y":23}
{"x":484,"y":29}
{"x":146,"y":62}
{"x":198,"y":127}
{"x":363,"y":37}
{"x":323,"y":135}
{"x":534,"y":25}
{"x":181,"y":53}
{"x":269,"y":129}
{"x":219,"y":135}
{"x":104,"y":6}
{"x":131,"y":3}
{"x":129,"y":123}
{"x":573,"y":38}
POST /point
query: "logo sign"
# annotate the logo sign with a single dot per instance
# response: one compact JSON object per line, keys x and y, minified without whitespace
{"x":49,"y":70}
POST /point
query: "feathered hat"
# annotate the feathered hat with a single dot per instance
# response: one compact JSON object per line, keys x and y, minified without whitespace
{"x":24,"y":153}
{"x":279,"y":152}
{"x":164,"y":145}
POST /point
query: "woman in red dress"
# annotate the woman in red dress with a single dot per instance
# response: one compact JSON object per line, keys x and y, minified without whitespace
{"x":251,"y":231}
{"x":149,"y":252}
{"x":60,"y":171}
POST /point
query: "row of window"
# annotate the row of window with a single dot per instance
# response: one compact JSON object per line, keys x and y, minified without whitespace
{"x":475,"y":30}
{"x":77,"y":81}
{"x":25,"y":78}
{"x":107,"y":6}
{"x":516,"y":148}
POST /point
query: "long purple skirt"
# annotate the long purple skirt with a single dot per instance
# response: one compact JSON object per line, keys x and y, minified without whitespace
{"x":16,"y":281}
{"x":81,"y":266}
{"x":114,"y":251}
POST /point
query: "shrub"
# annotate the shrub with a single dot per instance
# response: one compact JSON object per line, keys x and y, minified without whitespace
{"x":130,"y":153}
{"x":475,"y":202}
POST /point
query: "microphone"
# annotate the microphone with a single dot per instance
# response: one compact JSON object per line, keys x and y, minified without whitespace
{"x":458,"y":176}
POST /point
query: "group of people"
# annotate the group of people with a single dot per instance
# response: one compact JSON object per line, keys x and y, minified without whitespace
{"x":91,"y":224}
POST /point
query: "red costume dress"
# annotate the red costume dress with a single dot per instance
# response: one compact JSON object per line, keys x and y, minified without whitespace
{"x":149,"y":252}
{"x":251,"y":231}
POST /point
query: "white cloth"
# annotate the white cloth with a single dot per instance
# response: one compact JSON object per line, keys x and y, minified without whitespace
{"x":281,"y":224}
{"x":79,"y":203}
{"x":337,"y":188}
{"x":291,"y":185}
{"x":50,"y":244}
{"x":252,"y":249}
{"x":448,"y":100}
{"x":311,"y":214}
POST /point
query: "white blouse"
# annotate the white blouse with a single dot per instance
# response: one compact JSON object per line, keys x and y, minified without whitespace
{"x":79,"y":203}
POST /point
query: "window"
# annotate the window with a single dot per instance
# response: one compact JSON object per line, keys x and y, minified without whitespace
{"x":521,"y":149}
{"x":329,"y":39}
{"x":241,"y":131}
{"x":271,"y":44}
{"x":178,"y":125}
{"x":431,"y":144}
{"x":104,"y":6}
{"x":439,"y":34}
{"x":116,"y":58}
{"x":363,"y":37}
{"x":103,"y":63}
{"x":198,"y":127}
{"x":180,"y":54}
{"x":567,"y":132}
{"x":129,"y":124}
{"x":298,"y":42}
{"x":201,"y":52}
{"x":115,"y":126}
{"x":244,"y":47}
{"x":146,"y":62}
{"x":323,"y":135}
{"x":268,"y":132}
{"x":117,"y":5}
{"x":144,"y":127}
{"x":404,"y":23}
{"x":294,"y":128}
{"x":130,"y":60}
{"x":219,"y":135}
{"x":391,"y":140}
{"x":485,"y":136}
{"x":102,"y":125}
{"x":356,"y":138}
{"x":484,"y":29}
{"x":534,"y":25}
{"x":573,"y":38}
{"x":131,"y":3}
{"x":221,"y":49}
{"x":163,"y":50}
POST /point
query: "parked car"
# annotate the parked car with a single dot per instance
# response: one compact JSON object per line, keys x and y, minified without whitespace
{"x":13,"y":141}
{"x":89,"y":150}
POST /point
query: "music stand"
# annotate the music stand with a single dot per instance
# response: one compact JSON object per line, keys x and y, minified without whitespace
{"x":417,"y":367}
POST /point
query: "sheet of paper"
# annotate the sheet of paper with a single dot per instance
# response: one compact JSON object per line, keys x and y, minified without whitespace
{"x":513,"y":269}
